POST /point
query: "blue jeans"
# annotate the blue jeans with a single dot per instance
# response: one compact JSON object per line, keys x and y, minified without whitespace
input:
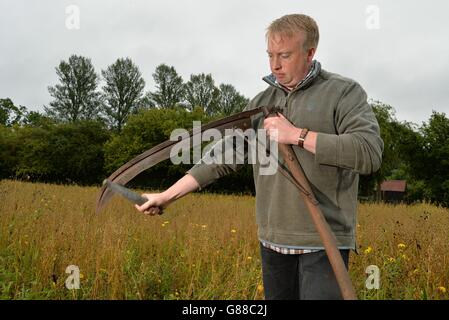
{"x":307,"y":276}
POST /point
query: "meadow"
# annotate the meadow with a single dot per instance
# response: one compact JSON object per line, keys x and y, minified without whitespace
{"x":203,"y":247}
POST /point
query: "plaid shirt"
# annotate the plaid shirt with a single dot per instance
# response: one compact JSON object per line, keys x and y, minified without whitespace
{"x":285,"y":250}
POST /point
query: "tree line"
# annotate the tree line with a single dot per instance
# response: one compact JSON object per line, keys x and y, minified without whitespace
{"x":78,"y":97}
{"x":87,"y":132}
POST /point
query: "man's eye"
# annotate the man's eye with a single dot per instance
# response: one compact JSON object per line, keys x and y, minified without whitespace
{"x":285,"y":56}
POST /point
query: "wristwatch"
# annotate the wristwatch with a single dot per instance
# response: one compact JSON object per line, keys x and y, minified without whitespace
{"x":302,"y":137}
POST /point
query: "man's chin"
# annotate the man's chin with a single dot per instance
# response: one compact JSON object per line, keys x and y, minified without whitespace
{"x":286,"y":84}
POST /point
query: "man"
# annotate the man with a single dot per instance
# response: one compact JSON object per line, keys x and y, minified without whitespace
{"x":335,"y":136}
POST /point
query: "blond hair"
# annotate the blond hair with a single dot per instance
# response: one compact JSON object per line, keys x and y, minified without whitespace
{"x":291,"y":24}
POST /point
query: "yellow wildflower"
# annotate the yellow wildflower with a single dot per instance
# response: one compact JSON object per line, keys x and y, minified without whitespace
{"x":368,"y":250}
{"x":391,"y":259}
{"x":260,"y":288}
{"x":249,"y":257}
{"x":165,"y":223}
{"x":401,"y":246}
{"x":442,"y":289}
{"x":233,"y":231}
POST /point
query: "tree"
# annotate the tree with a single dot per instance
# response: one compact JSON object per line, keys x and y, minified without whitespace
{"x":9,"y":113}
{"x":123,"y":91}
{"x":433,"y":162}
{"x":201,"y":92}
{"x":75,"y":98}
{"x":169,"y":88}
{"x":37,"y":119}
{"x":230,"y":101}
{"x":407,"y":144}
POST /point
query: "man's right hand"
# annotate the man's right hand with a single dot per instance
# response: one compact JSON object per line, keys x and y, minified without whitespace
{"x":155,"y":204}
{"x":159,"y":201}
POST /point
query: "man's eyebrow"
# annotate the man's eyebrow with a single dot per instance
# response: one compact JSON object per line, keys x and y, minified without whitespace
{"x":282,"y":52}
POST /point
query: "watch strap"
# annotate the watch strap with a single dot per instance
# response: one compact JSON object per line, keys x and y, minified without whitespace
{"x":302,"y":137}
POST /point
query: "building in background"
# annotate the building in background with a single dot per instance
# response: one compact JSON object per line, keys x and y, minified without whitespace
{"x":393,"y":191}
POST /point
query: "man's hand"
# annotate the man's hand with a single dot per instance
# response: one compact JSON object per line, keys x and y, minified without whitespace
{"x":155,"y":204}
{"x":281,"y":130}
{"x":159,"y":201}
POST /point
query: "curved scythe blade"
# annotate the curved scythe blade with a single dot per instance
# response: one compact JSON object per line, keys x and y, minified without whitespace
{"x":161,"y":152}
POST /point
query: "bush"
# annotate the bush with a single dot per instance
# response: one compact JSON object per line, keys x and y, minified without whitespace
{"x":8,"y":151}
{"x":62,"y":153}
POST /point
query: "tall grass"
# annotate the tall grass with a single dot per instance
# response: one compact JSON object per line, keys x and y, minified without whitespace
{"x":204,"y":247}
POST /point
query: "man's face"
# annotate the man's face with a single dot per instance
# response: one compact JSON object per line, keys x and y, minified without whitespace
{"x":289,"y":62}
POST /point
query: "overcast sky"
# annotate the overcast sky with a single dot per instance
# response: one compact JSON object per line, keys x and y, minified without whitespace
{"x":397,"y":50}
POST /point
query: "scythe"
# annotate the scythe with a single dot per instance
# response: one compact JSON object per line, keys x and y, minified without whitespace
{"x":294,"y":174}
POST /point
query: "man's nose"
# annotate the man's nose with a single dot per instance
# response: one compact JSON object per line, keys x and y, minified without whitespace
{"x":276,"y":63}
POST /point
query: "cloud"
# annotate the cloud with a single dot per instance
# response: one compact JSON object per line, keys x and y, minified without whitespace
{"x":403,"y":63}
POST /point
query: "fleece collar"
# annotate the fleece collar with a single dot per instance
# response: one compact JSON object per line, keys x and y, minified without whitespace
{"x":315,"y":69}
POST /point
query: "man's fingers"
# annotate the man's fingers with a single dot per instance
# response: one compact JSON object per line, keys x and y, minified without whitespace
{"x":153,"y":211}
{"x":144,"y":206}
{"x":150,"y":207}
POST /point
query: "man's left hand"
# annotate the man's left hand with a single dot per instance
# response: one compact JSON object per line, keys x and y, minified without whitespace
{"x":281,"y":130}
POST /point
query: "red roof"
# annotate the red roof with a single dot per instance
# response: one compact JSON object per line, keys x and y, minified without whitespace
{"x":393,"y":185}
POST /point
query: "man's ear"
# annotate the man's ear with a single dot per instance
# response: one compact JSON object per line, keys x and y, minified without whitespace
{"x":310,"y":54}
